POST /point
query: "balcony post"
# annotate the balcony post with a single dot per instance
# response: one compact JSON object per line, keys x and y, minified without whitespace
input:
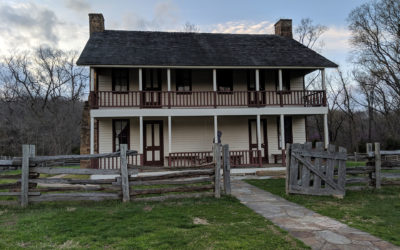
{"x":92,"y":79}
{"x":215,"y":87}
{"x":169,"y":87}
{"x":326,"y":131}
{"x":280,"y":87}
{"x":141,"y":87}
{"x":257,"y":87}
{"x":323,"y":83}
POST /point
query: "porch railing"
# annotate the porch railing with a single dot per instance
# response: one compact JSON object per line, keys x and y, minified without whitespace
{"x":238,"y":158}
{"x":206,"y":99}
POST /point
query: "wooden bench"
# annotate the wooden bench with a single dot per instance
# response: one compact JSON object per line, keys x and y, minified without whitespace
{"x":277,"y":157}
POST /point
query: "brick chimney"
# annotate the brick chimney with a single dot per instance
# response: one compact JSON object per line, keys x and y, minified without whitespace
{"x":96,"y":22}
{"x":284,"y":28}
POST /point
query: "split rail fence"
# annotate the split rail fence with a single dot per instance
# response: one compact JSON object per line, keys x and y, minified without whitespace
{"x":29,"y":179}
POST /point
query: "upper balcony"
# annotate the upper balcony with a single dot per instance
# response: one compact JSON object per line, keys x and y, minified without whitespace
{"x":201,"y":88}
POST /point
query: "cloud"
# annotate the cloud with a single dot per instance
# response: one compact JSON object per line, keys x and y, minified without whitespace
{"x":165,"y":17}
{"x":243,"y":27}
{"x":78,"y":5}
{"x":336,"y":38}
{"x":26,"y":26}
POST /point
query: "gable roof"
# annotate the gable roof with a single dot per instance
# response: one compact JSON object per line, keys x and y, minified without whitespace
{"x":148,"y":48}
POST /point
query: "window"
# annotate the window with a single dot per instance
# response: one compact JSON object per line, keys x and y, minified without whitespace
{"x":152,"y":79}
{"x":120,"y":80}
{"x":120,"y":133}
{"x":288,"y":130}
{"x":224,"y":80}
{"x":183,"y":80}
{"x":285,"y":80}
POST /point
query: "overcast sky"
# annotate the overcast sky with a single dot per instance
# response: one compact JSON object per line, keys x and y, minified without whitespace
{"x":64,"y":23}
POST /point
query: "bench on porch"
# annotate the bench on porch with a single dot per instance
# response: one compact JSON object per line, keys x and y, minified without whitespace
{"x":277,"y":157}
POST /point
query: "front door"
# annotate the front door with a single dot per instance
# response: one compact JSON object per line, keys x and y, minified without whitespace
{"x":152,"y":88}
{"x":252,"y":95}
{"x":153,"y":143}
{"x":253,"y":145}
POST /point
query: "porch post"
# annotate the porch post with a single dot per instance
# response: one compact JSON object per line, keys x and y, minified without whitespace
{"x":215,"y":129}
{"x":258,"y":133}
{"x":280,"y":79}
{"x":257,"y":80}
{"x":91,"y":135}
{"x":169,"y":79}
{"x":326,"y":131}
{"x":141,"y":135}
{"x":214,"y":79}
{"x":323,"y":79}
{"x":140,"y":80}
{"x":282,"y":129}
{"x":169,"y":134}
{"x":91,"y":79}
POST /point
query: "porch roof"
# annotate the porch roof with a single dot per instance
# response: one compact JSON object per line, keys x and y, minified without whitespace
{"x":148,"y":48}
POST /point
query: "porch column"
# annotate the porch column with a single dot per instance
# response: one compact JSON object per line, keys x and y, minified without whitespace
{"x":169,"y":134}
{"x":323,"y":79}
{"x":215,"y":129}
{"x":214,"y":79}
{"x":257,"y":80}
{"x":141,"y":135}
{"x":280,"y":79}
{"x":258,"y":133}
{"x":282,"y":129}
{"x":169,"y":79}
{"x":326,"y":131}
{"x":91,"y":135}
{"x":91,"y":79}
{"x":140,"y":80}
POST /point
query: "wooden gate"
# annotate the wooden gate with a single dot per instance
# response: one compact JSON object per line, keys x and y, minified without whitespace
{"x":316,"y":171}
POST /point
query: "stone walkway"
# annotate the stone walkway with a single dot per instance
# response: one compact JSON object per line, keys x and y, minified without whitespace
{"x":315,"y":230}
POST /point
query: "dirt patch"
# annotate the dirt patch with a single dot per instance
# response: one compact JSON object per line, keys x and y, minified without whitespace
{"x":200,"y":221}
{"x":69,"y":244}
{"x":271,"y":173}
{"x":3,"y":212}
{"x":71,"y":209}
{"x":147,"y":208}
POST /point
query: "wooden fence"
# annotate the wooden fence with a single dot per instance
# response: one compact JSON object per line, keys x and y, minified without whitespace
{"x":382,"y":168}
{"x":37,"y":182}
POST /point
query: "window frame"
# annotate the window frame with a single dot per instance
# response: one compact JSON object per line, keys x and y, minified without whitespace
{"x":225,"y":83}
{"x":113,"y":79}
{"x":114,"y":121}
{"x":151,"y":79}
{"x":180,"y":79}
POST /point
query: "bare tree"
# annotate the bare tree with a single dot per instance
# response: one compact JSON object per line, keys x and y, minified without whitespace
{"x":190,"y":27}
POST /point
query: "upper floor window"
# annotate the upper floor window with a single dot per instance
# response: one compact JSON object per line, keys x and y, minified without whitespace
{"x":120,"y":80}
{"x":285,"y":80}
{"x":152,"y":79}
{"x":120,"y":133}
{"x":225,"y":80}
{"x":251,"y":79}
{"x":183,"y":80}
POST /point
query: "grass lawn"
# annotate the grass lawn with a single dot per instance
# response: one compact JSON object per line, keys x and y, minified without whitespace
{"x":182,"y":224}
{"x":373,"y":211}
{"x":355,"y":163}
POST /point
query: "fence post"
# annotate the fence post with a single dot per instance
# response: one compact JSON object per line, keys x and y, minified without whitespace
{"x":227,"y":170}
{"x":217,"y":161}
{"x":27,"y":151}
{"x":289,"y":156}
{"x":369,"y":149}
{"x":124,"y":173}
{"x":378,"y":163}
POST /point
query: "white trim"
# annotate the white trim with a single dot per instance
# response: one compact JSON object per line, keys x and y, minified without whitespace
{"x":215,"y":129}
{"x":323,"y":79}
{"x":169,"y":134}
{"x":326,"y":131}
{"x":91,"y":135}
{"x":257,"y":80}
{"x":141,"y":135}
{"x":131,"y":112}
{"x":258,"y":133}
{"x":91,"y":79}
{"x":169,"y":79}
{"x":206,"y":67}
{"x":140,"y":80}
{"x":282,"y":123}
{"x":214,"y":79}
{"x":280,"y":79}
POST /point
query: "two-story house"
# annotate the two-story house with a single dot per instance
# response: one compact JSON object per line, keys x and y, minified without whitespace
{"x":170,"y":95}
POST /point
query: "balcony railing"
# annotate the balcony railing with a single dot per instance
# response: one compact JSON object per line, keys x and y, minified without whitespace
{"x":207,"y":99}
